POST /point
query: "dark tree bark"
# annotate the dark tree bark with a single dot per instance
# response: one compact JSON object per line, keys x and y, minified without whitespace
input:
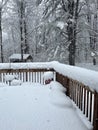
{"x":2,"y":4}
{"x":94,"y":61}
{"x":26,"y":46}
{"x":71,"y":29}
{"x":1,"y":46}
{"x":21,"y":28}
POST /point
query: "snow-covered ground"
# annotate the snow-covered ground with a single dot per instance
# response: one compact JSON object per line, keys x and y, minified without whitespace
{"x":37,"y":107}
{"x":88,"y":66}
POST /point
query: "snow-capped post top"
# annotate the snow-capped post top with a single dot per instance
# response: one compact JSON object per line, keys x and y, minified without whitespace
{"x":48,"y":77}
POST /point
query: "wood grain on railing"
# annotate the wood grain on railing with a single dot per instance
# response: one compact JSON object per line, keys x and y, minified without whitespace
{"x":84,"y":98}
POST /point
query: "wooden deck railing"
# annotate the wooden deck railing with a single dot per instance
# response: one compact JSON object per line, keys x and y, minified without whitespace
{"x":25,"y":75}
{"x":84,"y":98}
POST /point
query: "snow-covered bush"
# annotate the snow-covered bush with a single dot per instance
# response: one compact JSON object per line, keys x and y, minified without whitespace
{"x":12,"y":79}
{"x":16,"y":82}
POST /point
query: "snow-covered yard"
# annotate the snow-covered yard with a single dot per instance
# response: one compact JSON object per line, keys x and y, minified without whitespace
{"x":37,"y":107}
{"x":89,"y":66}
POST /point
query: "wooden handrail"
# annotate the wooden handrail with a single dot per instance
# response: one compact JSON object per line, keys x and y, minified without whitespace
{"x":25,"y":75}
{"x":84,"y":98}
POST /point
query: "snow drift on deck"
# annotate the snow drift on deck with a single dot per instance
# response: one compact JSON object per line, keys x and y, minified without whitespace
{"x":37,"y":107}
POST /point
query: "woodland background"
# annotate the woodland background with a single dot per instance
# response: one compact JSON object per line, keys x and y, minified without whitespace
{"x":61,"y":30}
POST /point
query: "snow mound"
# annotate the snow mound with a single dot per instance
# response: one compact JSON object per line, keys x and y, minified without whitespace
{"x":54,"y":85}
{"x":10,"y":77}
{"x":3,"y":85}
{"x":58,"y":95}
{"x":16,"y":82}
{"x":60,"y":99}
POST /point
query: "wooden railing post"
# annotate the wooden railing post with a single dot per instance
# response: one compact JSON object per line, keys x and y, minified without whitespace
{"x":57,"y":76}
{"x":67,"y":84}
{"x":0,"y":77}
{"x":95,"y":123}
{"x":64,"y":81}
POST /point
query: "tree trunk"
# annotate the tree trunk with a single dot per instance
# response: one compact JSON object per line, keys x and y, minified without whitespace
{"x":70,"y":33}
{"x":1,"y":46}
{"x":72,"y":26}
{"x":26,"y":50}
{"x":21,"y":29}
{"x":94,"y":61}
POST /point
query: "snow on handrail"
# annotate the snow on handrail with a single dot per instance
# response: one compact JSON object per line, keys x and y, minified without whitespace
{"x":85,"y":76}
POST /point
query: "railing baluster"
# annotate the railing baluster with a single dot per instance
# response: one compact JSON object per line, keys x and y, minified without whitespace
{"x":90,"y":116}
{"x":87,"y":103}
{"x":75,"y":94}
{"x":81,"y":98}
{"x":84,"y":99}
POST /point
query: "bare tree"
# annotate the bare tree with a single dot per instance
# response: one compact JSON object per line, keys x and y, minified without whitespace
{"x":72,"y":29}
{"x":2,"y":4}
{"x":21,"y":10}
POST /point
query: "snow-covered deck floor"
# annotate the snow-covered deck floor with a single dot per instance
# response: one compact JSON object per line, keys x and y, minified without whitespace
{"x":37,"y":107}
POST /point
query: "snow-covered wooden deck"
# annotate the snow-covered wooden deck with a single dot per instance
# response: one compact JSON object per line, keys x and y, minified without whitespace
{"x":81,"y":84}
{"x":37,"y":107}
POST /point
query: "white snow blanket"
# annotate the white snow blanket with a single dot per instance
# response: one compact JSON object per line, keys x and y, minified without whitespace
{"x":37,"y":107}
